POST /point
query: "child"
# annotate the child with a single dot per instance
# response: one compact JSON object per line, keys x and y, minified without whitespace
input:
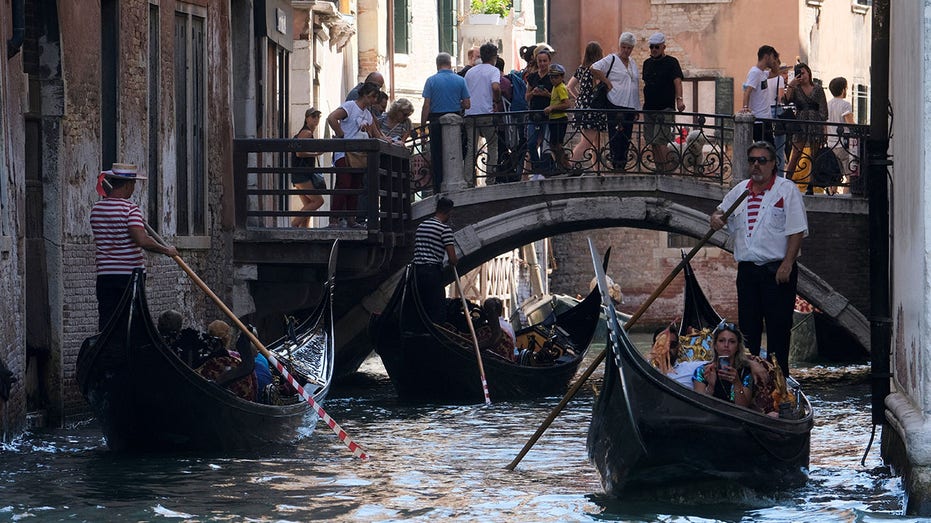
{"x":558,"y":119}
{"x":840,"y":111}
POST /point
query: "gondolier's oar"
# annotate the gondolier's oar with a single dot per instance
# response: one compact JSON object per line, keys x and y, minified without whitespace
{"x":478,"y":351}
{"x":633,"y":319}
{"x":340,"y":433}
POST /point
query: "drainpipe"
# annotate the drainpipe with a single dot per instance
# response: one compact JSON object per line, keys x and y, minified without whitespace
{"x":878,"y":187}
{"x":19,"y":28}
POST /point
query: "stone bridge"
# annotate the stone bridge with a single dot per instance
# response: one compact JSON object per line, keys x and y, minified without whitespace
{"x":495,"y":219}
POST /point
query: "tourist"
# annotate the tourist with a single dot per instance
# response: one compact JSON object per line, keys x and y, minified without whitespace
{"x":484,"y":84}
{"x":538,"y":95}
{"x":395,"y":124}
{"x":372,"y":78}
{"x":810,"y":104}
{"x":662,"y":91}
{"x":840,"y":111}
{"x":443,"y":93}
{"x":728,"y":375}
{"x":556,"y":112}
{"x":619,"y":72}
{"x":756,"y":98}
{"x":591,"y":124}
{"x":308,"y":180}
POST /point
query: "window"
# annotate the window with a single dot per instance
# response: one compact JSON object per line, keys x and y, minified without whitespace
{"x":861,"y":103}
{"x":680,"y":241}
{"x":448,"y":26}
{"x":154,"y":66}
{"x":190,"y":123}
{"x":402,"y":24}
{"x":109,"y":70}
{"x":540,"y":17}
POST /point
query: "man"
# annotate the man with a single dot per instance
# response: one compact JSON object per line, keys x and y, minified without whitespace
{"x":433,"y":240}
{"x":662,"y":91}
{"x":484,"y":84}
{"x":373,"y":78}
{"x":443,"y":93}
{"x":756,"y":97}
{"x":472,"y":59}
{"x":119,"y":236}
{"x":767,"y":230}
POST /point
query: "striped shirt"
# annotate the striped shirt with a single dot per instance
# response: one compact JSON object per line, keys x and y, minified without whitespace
{"x":117,"y":253}
{"x":430,"y":242}
{"x":754,"y":201}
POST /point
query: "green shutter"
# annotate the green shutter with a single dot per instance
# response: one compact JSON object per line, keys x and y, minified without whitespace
{"x":402,"y":24}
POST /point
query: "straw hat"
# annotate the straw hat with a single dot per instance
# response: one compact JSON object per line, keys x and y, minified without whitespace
{"x":124,"y":171}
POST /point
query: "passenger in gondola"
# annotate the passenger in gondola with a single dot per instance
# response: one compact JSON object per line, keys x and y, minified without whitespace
{"x":432,"y":242}
{"x":226,"y":369}
{"x":664,"y":355}
{"x":169,"y":326}
{"x":263,"y":374}
{"x":502,"y":331}
{"x":728,"y":375}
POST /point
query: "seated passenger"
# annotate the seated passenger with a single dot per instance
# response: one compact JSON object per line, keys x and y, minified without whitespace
{"x":728,"y":375}
{"x":494,"y":311}
{"x":226,"y":368}
{"x":263,"y":375}
{"x":169,"y":325}
{"x":664,"y":355}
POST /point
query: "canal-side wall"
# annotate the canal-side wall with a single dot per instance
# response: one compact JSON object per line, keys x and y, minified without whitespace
{"x":907,"y":436}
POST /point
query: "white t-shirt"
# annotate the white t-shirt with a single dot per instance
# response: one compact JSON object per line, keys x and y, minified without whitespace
{"x":625,"y":81}
{"x":682,"y":372}
{"x":760,"y":97}
{"x":781,"y":214}
{"x":838,"y":108}
{"x":479,"y":80}
{"x":773,"y":86}
{"x":352,"y":125}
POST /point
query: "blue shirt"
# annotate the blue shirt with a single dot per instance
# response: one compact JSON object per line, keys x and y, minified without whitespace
{"x":262,"y":374}
{"x":446,"y":90}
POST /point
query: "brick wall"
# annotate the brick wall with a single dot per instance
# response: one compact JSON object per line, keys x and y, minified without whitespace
{"x":640,"y":261}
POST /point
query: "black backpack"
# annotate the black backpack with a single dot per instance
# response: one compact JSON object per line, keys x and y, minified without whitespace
{"x":826,"y":170}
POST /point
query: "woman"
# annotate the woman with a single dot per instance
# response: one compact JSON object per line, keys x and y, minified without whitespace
{"x":622,"y":78}
{"x":582,"y":88}
{"x":539,"y":89}
{"x":810,"y":104}
{"x":395,"y":124}
{"x":307,"y":180}
{"x":728,"y":376}
{"x":352,"y":121}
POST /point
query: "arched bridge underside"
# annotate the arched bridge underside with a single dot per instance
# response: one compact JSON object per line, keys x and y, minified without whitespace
{"x":504,"y":217}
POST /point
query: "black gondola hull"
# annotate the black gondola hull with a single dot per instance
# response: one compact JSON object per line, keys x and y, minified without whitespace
{"x":648,"y":430}
{"x":147,"y":399}
{"x":426,"y":363}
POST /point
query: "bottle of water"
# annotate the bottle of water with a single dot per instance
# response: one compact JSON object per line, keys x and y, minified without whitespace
{"x":763,"y":353}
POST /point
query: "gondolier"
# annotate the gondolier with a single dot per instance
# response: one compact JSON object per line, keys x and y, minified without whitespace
{"x":767,"y":230}
{"x":119,"y":237}
{"x":433,"y":240}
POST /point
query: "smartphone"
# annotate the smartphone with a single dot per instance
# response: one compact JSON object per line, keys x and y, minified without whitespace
{"x":724,"y":362}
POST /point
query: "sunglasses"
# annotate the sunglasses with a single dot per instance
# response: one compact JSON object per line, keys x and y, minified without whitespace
{"x":655,"y":46}
{"x":757,"y":159}
{"x":725,"y":326}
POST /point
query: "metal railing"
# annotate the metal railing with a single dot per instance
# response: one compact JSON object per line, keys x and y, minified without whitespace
{"x":375,"y":182}
{"x":495,"y":148}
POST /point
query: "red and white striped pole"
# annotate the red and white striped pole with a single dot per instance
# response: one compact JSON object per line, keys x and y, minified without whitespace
{"x":340,"y":433}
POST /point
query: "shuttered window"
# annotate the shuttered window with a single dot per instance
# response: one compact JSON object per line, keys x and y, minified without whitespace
{"x":448,"y":26}
{"x":190,"y":124}
{"x":402,"y":26}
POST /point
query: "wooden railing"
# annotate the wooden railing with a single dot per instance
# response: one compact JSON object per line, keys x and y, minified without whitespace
{"x":262,"y":189}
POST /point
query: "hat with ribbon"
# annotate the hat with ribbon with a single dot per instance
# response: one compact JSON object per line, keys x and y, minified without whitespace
{"x":119,"y":171}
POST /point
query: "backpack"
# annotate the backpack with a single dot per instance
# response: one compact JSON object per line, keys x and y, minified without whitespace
{"x":518,"y":90}
{"x":826,"y":170}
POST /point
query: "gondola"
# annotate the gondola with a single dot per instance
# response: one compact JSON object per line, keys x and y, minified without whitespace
{"x":147,"y":399}
{"x":648,"y":431}
{"x":433,"y":362}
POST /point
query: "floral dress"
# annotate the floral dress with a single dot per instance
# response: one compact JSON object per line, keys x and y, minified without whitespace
{"x":596,"y":121}
{"x":813,"y":107}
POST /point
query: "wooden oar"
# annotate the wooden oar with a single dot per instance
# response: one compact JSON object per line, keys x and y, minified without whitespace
{"x":340,"y":433}
{"x":478,"y":351}
{"x":633,"y":319}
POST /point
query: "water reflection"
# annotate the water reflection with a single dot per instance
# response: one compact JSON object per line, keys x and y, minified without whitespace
{"x":429,"y":463}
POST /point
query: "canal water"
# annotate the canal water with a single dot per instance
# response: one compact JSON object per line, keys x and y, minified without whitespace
{"x":435,"y":463}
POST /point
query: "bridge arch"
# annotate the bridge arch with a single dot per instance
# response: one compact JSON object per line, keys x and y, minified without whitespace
{"x":499,"y":233}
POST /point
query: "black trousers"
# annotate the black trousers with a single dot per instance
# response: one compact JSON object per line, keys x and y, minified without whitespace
{"x":761,"y":300}
{"x":110,"y":289}
{"x":620,"y":129}
{"x":432,"y":291}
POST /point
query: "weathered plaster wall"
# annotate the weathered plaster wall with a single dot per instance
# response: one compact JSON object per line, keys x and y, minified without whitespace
{"x":907,"y":438}
{"x":12,"y":214}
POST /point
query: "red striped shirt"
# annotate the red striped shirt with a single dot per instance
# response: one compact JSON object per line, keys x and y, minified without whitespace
{"x":754,"y":201}
{"x":117,"y":253}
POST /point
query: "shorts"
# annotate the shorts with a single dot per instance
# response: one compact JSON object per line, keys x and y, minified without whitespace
{"x":657,"y":127}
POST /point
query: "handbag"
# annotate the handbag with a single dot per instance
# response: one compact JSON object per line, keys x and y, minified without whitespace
{"x":786,"y":113}
{"x":600,"y":94}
